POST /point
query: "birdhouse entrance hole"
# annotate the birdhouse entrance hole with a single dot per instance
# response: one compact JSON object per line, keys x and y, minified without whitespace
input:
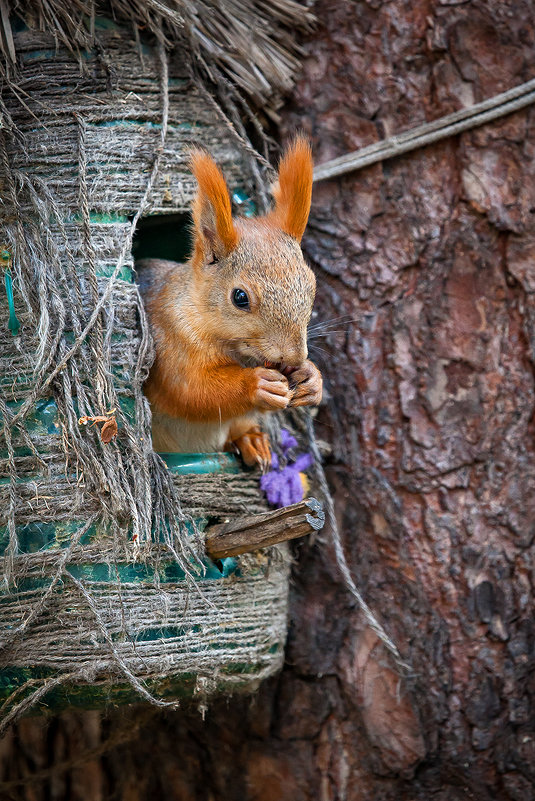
{"x":163,"y":236}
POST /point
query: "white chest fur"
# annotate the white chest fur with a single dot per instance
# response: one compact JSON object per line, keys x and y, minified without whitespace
{"x":175,"y":435}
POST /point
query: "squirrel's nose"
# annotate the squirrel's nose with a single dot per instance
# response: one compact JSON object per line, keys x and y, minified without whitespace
{"x":295,"y":356}
{"x":287,"y":353}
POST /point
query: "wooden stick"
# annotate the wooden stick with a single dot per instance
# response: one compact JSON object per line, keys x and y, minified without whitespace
{"x":260,"y":531}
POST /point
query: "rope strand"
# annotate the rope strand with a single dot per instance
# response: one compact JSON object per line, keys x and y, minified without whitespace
{"x":430,"y":132}
{"x":341,"y":560}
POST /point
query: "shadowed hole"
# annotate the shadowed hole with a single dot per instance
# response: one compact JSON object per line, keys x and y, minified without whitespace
{"x":163,"y":236}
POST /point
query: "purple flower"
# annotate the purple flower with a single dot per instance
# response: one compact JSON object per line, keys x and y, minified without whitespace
{"x":283,"y":486}
{"x":287,"y":441}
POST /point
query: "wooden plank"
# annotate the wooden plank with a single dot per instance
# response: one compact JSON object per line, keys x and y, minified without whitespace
{"x":254,"y":532}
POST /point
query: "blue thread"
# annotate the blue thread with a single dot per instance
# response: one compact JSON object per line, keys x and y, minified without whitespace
{"x":13,"y":323}
{"x":246,"y":205}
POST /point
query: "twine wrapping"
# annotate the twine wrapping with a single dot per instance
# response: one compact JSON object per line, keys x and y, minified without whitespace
{"x":119,"y":593}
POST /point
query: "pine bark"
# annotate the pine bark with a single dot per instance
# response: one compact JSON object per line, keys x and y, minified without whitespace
{"x":429,"y":261}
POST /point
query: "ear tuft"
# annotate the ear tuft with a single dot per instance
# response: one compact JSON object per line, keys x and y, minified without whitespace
{"x":293,"y":190}
{"x":212,"y":211}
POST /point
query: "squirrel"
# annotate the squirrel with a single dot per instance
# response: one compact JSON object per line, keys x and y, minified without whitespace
{"x":230,"y":325}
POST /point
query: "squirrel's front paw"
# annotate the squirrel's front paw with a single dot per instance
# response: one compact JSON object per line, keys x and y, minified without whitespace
{"x":270,"y":390}
{"x":308,"y":385}
{"x":253,"y":445}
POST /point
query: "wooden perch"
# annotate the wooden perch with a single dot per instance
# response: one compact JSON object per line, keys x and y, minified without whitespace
{"x":260,"y":531}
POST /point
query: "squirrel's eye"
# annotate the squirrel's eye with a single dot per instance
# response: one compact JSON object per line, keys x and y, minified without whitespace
{"x":240,"y":298}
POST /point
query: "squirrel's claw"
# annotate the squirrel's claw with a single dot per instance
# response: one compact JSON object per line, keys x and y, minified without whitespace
{"x":254,"y":448}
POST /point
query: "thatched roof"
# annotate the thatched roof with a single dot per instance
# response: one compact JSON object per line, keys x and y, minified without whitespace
{"x":252,"y":42}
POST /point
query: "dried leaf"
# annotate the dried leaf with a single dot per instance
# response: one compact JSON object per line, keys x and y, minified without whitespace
{"x":108,"y":430}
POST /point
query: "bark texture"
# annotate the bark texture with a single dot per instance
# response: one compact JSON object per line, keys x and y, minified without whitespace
{"x":432,"y":258}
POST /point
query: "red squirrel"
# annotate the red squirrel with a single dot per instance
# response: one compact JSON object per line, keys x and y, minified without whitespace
{"x":230,"y":325}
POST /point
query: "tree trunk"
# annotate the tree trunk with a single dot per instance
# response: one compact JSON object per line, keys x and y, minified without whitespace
{"x":428,"y":264}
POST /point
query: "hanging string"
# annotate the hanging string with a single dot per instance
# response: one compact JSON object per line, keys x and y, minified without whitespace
{"x":452,"y":124}
{"x":339,"y":554}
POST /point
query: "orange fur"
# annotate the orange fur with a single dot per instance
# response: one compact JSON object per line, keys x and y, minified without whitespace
{"x":293,"y":191}
{"x":214,"y":393}
{"x":191,"y":377}
{"x":212,"y":209}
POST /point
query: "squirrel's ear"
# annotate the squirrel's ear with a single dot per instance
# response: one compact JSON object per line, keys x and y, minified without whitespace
{"x":293,"y":189}
{"x":215,"y":234}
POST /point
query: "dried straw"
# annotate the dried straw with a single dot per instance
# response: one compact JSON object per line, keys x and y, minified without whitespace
{"x":251,"y":42}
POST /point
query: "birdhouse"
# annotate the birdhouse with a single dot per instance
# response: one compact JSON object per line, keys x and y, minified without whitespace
{"x":110,"y":591}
